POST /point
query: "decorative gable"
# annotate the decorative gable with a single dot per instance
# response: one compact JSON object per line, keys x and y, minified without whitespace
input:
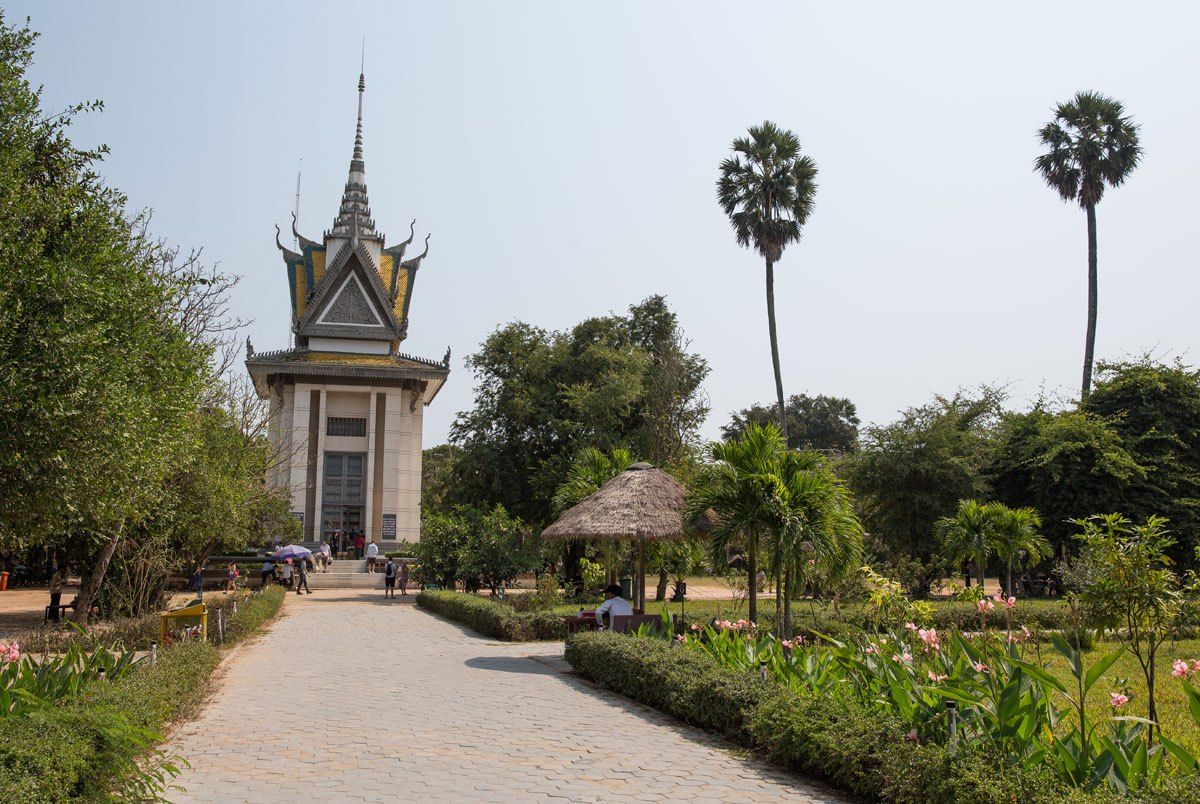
{"x":350,"y":301}
{"x":350,"y":306}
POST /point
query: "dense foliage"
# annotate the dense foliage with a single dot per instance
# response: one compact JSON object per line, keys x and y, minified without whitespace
{"x":121,"y":437}
{"x":827,"y":424}
{"x":479,"y":549}
{"x":615,"y":381}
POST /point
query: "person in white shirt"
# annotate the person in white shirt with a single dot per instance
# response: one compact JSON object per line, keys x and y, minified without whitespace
{"x":372,"y":554}
{"x":326,"y":556}
{"x":613,"y":606}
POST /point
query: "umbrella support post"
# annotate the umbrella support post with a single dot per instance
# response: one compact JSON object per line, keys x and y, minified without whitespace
{"x":641,"y":579}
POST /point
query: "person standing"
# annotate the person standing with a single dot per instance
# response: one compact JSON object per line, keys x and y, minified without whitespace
{"x":285,"y":573}
{"x":389,"y":579}
{"x":372,"y":554}
{"x":359,"y":543}
{"x":327,"y":556}
{"x":56,"y":587}
{"x":266,"y":572}
{"x":302,"y":576}
{"x":403,"y":579}
{"x":197,"y":583}
{"x":231,"y":576}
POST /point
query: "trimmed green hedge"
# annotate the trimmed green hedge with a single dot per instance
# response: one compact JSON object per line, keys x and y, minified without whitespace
{"x":828,"y":737}
{"x":85,"y":748}
{"x":493,"y":618}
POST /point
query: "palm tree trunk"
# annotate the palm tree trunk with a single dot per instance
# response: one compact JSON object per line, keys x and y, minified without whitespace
{"x":980,"y":562}
{"x":775,"y":348}
{"x":1009,"y":590}
{"x":778,"y":605}
{"x":787,"y":603}
{"x":1089,"y":347}
{"x":752,"y":575}
{"x":660,"y":591}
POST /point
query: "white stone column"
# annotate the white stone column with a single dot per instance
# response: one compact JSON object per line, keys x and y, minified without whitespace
{"x":369,"y":478}
{"x":319,"y":524}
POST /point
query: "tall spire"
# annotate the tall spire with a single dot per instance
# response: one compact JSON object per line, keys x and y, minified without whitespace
{"x":354,"y":215}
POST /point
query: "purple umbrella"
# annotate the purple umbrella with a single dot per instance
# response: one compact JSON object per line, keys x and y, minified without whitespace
{"x":291,"y":551}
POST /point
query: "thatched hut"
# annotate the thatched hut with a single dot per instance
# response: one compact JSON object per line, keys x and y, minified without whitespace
{"x":641,"y":504}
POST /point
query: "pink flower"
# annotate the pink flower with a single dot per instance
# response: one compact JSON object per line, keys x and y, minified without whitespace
{"x":1026,"y":632}
{"x":1008,"y":602}
{"x":812,"y":562}
{"x":936,"y":678}
{"x":9,"y":652}
{"x":788,"y":644}
{"x":980,"y":667}
{"x":681,"y":638}
{"x":1180,"y":669}
{"x":1117,"y":700}
{"x":930,"y":638}
{"x":986,"y":605}
{"x":870,"y":651}
{"x":911,"y":626}
{"x":695,"y":626}
{"x":912,"y":737}
{"x":1195,"y":667}
{"x":906,"y":657}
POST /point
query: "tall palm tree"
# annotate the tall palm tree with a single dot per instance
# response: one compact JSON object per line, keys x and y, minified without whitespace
{"x":768,"y":189}
{"x":1016,"y":538}
{"x":969,"y":534}
{"x":739,"y":483}
{"x":1092,"y":144}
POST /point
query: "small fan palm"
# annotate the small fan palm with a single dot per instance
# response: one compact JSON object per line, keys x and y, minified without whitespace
{"x":739,"y":483}
{"x":969,"y":534}
{"x":1092,"y":145}
{"x":815,"y":533}
{"x":768,"y":190}
{"x":1017,"y":540}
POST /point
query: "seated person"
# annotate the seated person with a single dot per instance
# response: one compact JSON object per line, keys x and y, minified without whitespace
{"x":613,"y":606}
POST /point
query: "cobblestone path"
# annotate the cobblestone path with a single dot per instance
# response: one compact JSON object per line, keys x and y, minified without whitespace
{"x":349,"y":697}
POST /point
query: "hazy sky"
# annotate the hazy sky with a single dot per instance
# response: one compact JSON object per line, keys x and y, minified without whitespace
{"x":564,"y":156}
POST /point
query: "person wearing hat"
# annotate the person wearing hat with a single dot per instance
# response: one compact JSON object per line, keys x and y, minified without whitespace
{"x":285,"y":573}
{"x":613,"y":606}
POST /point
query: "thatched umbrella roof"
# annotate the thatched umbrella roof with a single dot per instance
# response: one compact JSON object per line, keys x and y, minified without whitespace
{"x":640,"y":504}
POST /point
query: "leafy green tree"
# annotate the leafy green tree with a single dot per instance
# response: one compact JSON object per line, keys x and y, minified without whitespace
{"x":495,"y":550}
{"x":1017,"y":540}
{"x":908,"y":474}
{"x":1065,"y":465}
{"x":1154,"y":408}
{"x":1130,"y":587}
{"x":1091,"y":145}
{"x":768,"y":190}
{"x":825,"y":423}
{"x":438,"y":553}
{"x":98,"y":377}
{"x":437,"y":466}
{"x":540,"y":396}
{"x":969,"y":535}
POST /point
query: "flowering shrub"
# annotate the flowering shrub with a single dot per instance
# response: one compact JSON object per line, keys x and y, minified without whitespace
{"x":27,"y":684}
{"x":1001,"y":700}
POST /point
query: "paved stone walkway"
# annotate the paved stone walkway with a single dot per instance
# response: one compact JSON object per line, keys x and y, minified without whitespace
{"x":349,"y":697}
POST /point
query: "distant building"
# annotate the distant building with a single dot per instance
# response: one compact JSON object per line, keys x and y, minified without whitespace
{"x":345,"y":405}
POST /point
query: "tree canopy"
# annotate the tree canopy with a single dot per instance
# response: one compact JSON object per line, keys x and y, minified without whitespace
{"x":828,"y":424}
{"x":540,"y":396}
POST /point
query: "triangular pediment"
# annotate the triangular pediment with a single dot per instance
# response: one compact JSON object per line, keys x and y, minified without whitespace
{"x":350,"y":306}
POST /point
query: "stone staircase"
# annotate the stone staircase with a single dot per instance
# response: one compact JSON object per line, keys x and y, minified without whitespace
{"x":346,"y":574}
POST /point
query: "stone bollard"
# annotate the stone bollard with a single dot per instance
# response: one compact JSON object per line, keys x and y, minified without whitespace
{"x":153,"y":654}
